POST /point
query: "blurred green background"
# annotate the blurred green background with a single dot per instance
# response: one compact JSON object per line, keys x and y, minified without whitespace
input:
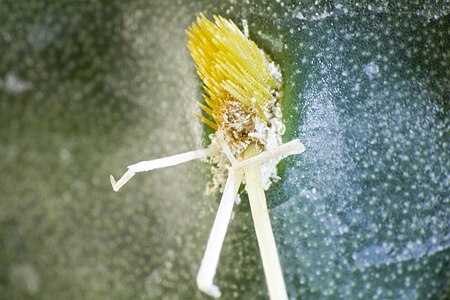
{"x":89,"y":87}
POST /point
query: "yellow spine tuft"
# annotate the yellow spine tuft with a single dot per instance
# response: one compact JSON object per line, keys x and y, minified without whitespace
{"x":233,"y":70}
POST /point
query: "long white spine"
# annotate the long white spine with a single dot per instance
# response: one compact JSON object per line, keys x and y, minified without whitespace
{"x":210,"y":259}
{"x":158,"y":163}
{"x":266,"y":241}
{"x":290,"y":148}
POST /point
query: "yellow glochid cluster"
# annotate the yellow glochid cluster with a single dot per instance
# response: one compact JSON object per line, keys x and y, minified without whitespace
{"x":236,"y":77}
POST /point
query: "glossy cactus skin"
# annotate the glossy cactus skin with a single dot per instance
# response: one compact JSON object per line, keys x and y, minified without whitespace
{"x":86,"y":88}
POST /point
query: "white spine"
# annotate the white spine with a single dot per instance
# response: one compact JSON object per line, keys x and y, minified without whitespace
{"x":159,"y":163}
{"x":210,"y":259}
